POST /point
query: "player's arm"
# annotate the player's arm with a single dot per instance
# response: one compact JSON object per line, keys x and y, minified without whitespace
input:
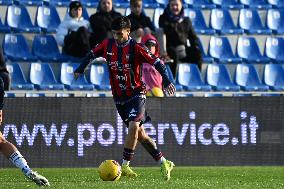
{"x":85,"y":62}
{"x":161,"y":68}
{"x":89,"y":58}
{"x":167,"y":84}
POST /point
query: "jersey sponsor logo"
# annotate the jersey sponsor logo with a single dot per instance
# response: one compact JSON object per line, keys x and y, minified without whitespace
{"x":121,"y":77}
{"x":117,"y":66}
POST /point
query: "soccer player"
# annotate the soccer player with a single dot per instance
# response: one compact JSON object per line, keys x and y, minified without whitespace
{"x":7,"y":148}
{"x":124,"y":58}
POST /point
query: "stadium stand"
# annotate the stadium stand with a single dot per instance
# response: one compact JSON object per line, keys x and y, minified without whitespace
{"x":274,"y":48}
{"x":18,"y":18}
{"x":250,"y":21}
{"x":15,"y":48}
{"x":18,"y":80}
{"x":5,"y":2}
{"x":4,"y":28}
{"x":222,"y":22}
{"x":67,"y":78}
{"x":248,"y":50}
{"x":228,"y":4}
{"x":47,"y":18}
{"x":99,"y":76}
{"x":274,"y":76}
{"x":42,"y":76}
{"x":259,"y":4}
{"x":189,"y":77}
{"x":204,"y":4}
{"x":220,"y":49}
{"x":276,"y":3}
{"x":275,"y":20}
{"x":247,"y":78}
{"x":219,"y":78}
{"x":45,"y":48}
{"x":205,"y":57}
{"x":198,"y":21}
{"x":222,"y":25}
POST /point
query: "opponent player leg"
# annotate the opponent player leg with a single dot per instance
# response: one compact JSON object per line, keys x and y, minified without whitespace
{"x":152,"y":149}
{"x":12,"y":153}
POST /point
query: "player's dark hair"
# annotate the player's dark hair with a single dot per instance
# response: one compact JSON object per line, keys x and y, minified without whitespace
{"x":120,"y":23}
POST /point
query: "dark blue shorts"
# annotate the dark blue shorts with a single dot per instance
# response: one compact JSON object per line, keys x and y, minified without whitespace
{"x":133,"y":110}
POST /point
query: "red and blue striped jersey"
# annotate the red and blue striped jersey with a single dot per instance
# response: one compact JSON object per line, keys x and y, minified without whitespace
{"x":125,"y":66}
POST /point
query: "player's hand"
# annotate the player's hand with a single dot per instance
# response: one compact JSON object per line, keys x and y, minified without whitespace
{"x":76,"y":75}
{"x":170,"y":89}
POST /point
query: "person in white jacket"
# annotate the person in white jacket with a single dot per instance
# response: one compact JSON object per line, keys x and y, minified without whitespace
{"x":73,"y":33}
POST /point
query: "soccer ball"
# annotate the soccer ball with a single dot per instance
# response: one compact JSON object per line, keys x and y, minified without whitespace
{"x":110,"y":170}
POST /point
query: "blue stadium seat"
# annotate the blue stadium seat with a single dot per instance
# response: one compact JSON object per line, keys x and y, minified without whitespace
{"x":250,"y":21}
{"x":42,"y":76}
{"x":228,"y":4}
{"x":204,"y":4}
{"x":205,"y":57}
{"x":247,"y":78}
{"x":45,"y":48}
{"x":219,"y":78}
{"x":248,"y":50}
{"x":222,"y":22}
{"x":276,"y":3}
{"x":198,"y":21}
{"x":4,"y":28}
{"x":274,"y":48}
{"x":162,"y":3}
{"x":260,"y":4}
{"x":63,"y":3}
{"x":15,"y":48}
{"x":274,"y":76}
{"x":275,"y":20}
{"x":89,"y":3}
{"x":5,"y":2}
{"x":172,"y":79}
{"x":67,"y":78}
{"x":47,"y":18}
{"x":189,"y":77}
{"x":18,"y":79}
{"x":157,"y":13}
{"x":18,"y":19}
{"x":31,"y":2}
{"x":220,"y":49}
{"x":151,"y":4}
{"x":99,"y":76}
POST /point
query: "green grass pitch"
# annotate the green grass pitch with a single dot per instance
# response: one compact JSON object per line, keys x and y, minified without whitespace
{"x":150,"y":178}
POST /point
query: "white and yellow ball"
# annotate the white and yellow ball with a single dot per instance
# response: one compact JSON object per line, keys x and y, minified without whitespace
{"x":109,"y":170}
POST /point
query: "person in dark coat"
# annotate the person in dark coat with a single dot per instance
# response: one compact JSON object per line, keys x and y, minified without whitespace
{"x":182,"y":43}
{"x":101,"y":22}
{"x":141,"y":24}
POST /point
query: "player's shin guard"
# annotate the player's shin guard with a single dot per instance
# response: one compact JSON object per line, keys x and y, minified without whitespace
{"x":152,"y":149}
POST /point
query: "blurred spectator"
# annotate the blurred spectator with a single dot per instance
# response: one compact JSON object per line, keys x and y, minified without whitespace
{"x":140,"y":23}
{"x":151,"y":77}
{"x":101,"y":21}
{"x":181,"y":40}
{"x":4,"y":74}
{"x":73,"y":33}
